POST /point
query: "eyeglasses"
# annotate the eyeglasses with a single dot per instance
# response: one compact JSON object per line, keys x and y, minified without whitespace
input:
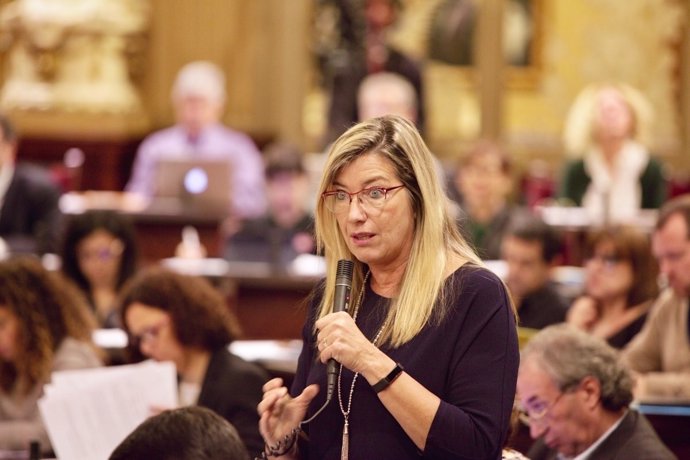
{"x":538,"y":412}
{"x":148,"y":333}
{"x":103,"y":254}
{"x":371,"y":198}
{"x":608,"y":261}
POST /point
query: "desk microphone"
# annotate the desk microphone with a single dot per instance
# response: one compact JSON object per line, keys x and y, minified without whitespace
{"x":341,"y":302}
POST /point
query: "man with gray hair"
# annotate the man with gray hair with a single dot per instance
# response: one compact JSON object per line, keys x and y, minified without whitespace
{"x":575,"y":394}
{"x":386,"y":93}
{"x":198,"y":97}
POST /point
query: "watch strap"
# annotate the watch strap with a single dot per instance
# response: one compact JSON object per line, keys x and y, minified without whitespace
{"x":387,"y":380}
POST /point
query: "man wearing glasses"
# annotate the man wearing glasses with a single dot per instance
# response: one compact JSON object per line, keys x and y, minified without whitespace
{"x":660,"y":353}
{"x":575,"y":394}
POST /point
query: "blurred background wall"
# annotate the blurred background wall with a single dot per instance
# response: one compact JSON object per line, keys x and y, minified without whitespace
{"x":265,"y":48}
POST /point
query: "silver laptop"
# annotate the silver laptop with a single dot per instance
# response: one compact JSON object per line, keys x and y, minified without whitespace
{"x":192,"y":186}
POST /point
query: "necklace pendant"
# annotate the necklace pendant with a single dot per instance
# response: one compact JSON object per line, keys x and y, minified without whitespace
{"x":346,"y":443}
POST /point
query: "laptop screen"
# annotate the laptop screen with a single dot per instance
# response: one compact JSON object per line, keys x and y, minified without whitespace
{"x":193,"y":185}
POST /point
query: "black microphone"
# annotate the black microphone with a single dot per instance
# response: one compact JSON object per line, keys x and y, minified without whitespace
{"x":341,"y":302}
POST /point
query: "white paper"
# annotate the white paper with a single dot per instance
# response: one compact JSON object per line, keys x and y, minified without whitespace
{"x":88,"y":412}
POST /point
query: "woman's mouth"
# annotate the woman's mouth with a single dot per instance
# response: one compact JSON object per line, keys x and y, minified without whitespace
{"x":362,"y":237}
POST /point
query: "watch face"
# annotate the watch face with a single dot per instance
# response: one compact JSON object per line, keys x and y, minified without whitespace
{"x":387,"y":380}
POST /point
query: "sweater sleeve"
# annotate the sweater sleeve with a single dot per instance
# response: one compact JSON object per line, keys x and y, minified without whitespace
{"x":473,"y":417}
{"x":657,"y":353}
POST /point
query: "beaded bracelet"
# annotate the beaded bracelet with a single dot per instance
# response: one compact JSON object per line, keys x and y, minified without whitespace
{"x":282,"y":447}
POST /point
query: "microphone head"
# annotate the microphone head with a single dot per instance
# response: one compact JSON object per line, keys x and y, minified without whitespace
{"x":345,"y":268}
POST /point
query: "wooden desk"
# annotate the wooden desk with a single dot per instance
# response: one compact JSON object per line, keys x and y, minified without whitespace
{"x":270,"y":307}
{"x":269,"y":303}
{"x":158,"y":230}
{"x":107,"y":162}
{"x":158,"y":235}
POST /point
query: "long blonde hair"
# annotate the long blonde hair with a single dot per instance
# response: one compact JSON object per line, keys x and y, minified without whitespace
{"x":436,"y":238}
{"x":578,"y":132}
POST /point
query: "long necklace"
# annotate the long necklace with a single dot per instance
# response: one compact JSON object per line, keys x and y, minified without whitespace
{"x":346,"y":413}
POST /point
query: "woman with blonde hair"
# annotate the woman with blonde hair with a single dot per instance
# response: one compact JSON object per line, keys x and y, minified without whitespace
{"x":613,"y":174}
{"x":45,"y":326}
{"x":428,"y":350}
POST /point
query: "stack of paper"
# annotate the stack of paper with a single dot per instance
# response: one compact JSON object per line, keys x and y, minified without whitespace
{"x":87,"y":413}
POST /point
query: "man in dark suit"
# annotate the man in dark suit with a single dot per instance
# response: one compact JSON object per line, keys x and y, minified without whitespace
{"x":286,"y":230}
{"x":30,"y":219}
{"x":576,"y":394}
{"x":531,"y":250}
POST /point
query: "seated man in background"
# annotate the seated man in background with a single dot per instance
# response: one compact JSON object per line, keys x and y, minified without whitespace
{"x":189,"y":433}
{"x":386,"y":93}
{"x":576,"y":395}
{"x":198,"y":97}
{"x":531,"y":249}
{"x":30,"y":219}
{"x":286,"y":230}
{"x":660,"y":353}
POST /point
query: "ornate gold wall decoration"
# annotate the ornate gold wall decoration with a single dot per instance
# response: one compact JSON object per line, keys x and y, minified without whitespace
{"x":72,"y":55}
{"x":445,"y":31}
{"x":639,"y":43}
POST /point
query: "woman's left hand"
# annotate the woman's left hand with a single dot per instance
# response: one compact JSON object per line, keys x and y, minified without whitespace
{"x":340,"y":338}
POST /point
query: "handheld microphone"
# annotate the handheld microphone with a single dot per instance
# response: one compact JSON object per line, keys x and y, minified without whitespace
{"x":341,"y":302}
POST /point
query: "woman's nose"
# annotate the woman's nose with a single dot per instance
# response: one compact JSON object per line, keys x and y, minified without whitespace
{"x":145,"y":348}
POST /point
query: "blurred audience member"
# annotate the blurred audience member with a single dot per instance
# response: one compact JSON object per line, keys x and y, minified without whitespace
{"x":483,"y":180}
{"x":30,"y":219}
{"x":531,"y":249}
{"x":386,"y":93}
{"x":575,"y":395}
{"x":374,"y":54}
{"x":198,"y":97}
{"x":620,"y":285}
{"x":45,"y":326}
{"x":286,"y":230}
{"x":183,"y":319}
{"x":608,"y":128}
{"x":99,"y":254}
{"x":660,"y":353}
{"x":188,"y":433}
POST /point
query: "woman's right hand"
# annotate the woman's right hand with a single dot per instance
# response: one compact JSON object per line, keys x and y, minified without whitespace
{"x":583,"y":313}
{"x":280,"y":413}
